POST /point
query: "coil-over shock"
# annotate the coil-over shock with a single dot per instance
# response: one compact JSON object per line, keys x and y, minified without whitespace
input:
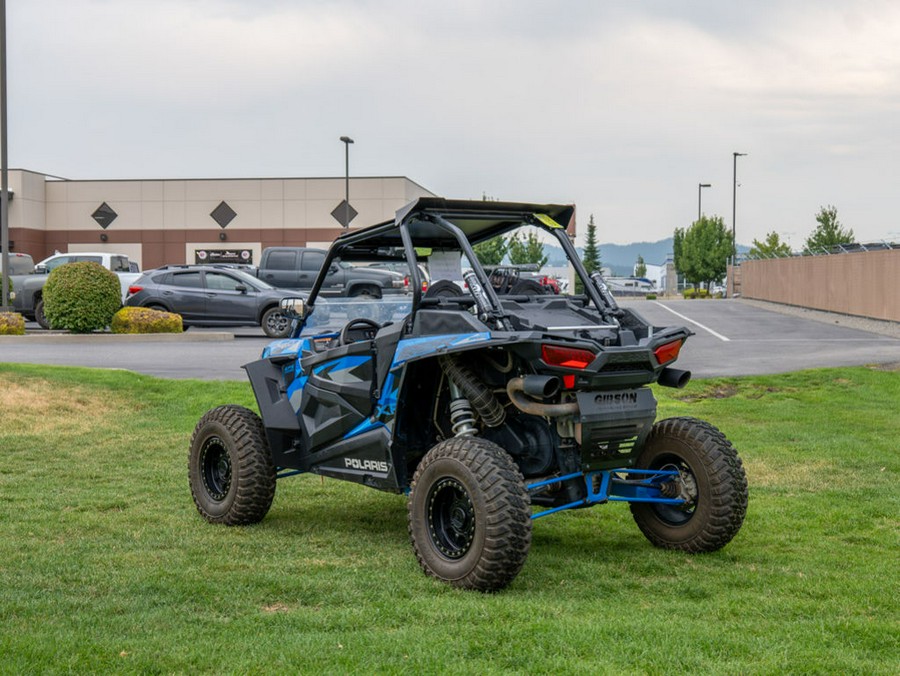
{"x":468,"y":395}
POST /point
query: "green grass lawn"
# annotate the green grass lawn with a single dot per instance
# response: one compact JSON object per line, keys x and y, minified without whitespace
{"x":106,"y":566}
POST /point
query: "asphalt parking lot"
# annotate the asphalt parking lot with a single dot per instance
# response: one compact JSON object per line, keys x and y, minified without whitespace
{"x":731,"y":338}
{"x":734,"y":338}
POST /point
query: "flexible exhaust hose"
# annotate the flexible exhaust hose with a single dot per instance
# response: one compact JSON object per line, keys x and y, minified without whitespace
{"x":479,"y":395}
{"x":515,"y":388}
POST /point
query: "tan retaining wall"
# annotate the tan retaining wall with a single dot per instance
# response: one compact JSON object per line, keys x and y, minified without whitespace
{"x":865,"y":283}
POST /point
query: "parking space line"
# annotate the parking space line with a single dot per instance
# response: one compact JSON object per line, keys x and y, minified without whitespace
{"x":688,"y":319}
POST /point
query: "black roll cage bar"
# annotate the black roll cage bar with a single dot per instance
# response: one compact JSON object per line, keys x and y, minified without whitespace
{"x":524,"y":214}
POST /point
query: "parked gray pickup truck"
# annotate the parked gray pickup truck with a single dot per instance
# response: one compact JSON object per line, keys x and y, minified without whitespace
{"x":293,"y":267}
{"x":29,"y":289}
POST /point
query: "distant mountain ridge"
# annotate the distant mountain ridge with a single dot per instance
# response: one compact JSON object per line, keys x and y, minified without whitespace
{"x":620,"y":258}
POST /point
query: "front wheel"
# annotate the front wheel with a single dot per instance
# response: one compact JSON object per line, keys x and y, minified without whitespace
{"x":469,"y":515}
{"x":230,"y":469}
{"x":275,"y":324}
{"x":711,"y":480}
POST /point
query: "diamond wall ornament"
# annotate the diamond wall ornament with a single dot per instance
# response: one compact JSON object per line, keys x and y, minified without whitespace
{"x":223,"y":214}
{"x":104,"y":215}
{"x":344,"y":213}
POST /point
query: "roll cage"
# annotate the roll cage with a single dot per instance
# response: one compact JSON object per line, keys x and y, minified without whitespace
{"x":442,"y":224}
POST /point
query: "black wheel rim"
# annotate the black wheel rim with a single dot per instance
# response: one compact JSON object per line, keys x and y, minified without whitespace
{"x":678,"y":515}
{"x":215,"y":467}
{"x":277,"y":323}
{"x":451,"y":518}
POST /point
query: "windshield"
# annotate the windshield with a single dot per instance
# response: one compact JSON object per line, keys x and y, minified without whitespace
{"x":251,"y":281}
{"x":19,"y":264}
{"x":331,"y":314}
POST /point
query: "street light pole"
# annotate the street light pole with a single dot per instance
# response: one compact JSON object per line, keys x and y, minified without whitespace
{"x":347,"y":141}
{"x":734,"y":211}
{"x":4,"y":170}
{"x":700,"y":187}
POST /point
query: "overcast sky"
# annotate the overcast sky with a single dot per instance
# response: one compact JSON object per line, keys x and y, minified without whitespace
{"x":619,"y":107}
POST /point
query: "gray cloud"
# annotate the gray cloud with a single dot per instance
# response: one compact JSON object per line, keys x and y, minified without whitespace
{"x":620,"y":107}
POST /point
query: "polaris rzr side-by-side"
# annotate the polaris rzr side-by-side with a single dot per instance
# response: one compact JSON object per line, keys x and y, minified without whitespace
{"x":488,"y":410}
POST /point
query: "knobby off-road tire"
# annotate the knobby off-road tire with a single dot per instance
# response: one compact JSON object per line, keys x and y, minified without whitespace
{"x":528,"y":287}
{"x":230,"y":469}
{"x":470,"y":515}
{"x":705,"y":457}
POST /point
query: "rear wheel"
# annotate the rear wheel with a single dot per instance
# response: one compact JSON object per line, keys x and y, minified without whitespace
{"x":230,"y":469}
{"x":469,"y":515}
{"x":39,"y":315}
{"x":275,"y":324}
{"x":711,"y":481}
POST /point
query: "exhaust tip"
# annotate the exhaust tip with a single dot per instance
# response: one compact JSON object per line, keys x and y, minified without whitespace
{"x":676,"y":378}
{"x":541,"y":387}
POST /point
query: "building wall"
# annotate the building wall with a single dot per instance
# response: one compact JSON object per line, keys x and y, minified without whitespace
{"x":866,"y":283}
{"x":165,"y":221}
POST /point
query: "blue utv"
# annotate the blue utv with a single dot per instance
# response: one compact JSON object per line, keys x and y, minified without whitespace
{"x":487,"y":405}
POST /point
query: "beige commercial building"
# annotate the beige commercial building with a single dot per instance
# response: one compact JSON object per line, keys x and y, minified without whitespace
{"x":164,"y":221}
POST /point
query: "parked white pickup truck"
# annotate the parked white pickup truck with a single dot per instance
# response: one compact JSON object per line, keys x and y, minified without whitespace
{"x":29,"y":289}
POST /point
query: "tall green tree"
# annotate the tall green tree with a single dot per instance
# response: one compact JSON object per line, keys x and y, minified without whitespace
{"x":493,"y":251}
{"x":704,"y":250}
{"x":640,"y":267}
{"x":770,"y":247}
{"x":527,"y":248}
{"x":591,"y":255}
{"x":829,"y":232}
{"x":677,"y":241}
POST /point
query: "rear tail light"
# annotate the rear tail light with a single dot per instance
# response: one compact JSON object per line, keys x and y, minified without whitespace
{"x":668,"y":352}
{"x":406,"y":281}
{"x":133,"y":289}
{"x":569,"y":357}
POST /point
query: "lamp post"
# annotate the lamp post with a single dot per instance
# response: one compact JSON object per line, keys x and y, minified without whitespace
{"x":347,"y":141}
{"x":4,"y":174}
{"x":734,"y":211}
{"x":700,"y":187}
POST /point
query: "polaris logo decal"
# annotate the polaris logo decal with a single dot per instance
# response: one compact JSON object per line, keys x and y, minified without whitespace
{"x":617,"y":398}
{"x":366,"y":465}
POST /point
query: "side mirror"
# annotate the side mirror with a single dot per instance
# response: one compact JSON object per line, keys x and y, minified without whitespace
{"x":241,"y":288}
{"x":40,"y":269}
{"x":294,"y":308}
{"x":333,"y":268}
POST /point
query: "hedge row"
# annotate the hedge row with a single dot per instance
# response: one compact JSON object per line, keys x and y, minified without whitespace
{"x":12,"y":324}
{"x":145,"y":320}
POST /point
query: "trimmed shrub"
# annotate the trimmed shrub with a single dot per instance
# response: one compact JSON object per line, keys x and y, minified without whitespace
{"x":651,"y":296}
{"x":689,"y":293}
{"x":145,"y":320}
{"x":12,"y":324}
{"x":81,"y":297}
{"x":702,"y":293}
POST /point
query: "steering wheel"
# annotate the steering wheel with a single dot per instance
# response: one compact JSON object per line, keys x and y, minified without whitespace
{"x":356,"y":324}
